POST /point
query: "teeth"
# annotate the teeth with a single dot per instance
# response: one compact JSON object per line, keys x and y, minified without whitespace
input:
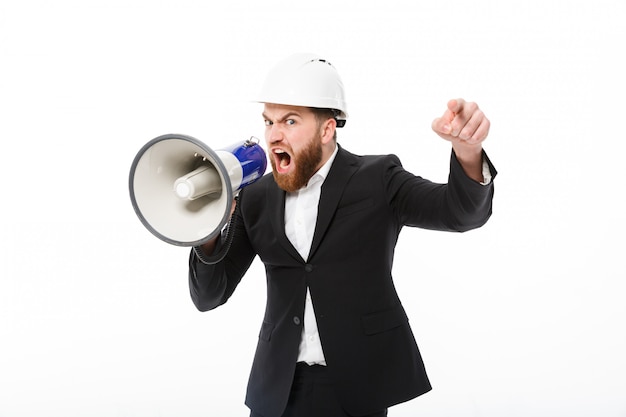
{"x":283,"y":158}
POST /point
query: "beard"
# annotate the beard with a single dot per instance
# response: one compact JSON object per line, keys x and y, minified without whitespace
{"x":307,"y":163}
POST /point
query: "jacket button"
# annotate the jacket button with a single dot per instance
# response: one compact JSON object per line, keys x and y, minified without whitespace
{"x":308,"y":268}
{"x":296,"y":320}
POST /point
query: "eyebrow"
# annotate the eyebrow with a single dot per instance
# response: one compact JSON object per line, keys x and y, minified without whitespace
{"x":284,"y":117}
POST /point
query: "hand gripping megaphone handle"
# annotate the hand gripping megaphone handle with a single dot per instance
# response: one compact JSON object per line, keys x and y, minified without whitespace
{"x":224,"y":247}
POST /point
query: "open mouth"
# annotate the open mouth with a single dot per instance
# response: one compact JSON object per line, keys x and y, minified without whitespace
{"x":282,"y":161}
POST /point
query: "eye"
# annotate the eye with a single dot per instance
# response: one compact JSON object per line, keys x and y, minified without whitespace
{"x":268,"y":123}
{"x":290,"y":122}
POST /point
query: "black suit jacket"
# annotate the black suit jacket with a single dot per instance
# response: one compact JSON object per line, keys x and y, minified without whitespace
{"x":368,"y":345}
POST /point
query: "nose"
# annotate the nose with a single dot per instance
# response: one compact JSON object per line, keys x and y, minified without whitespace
{"x":274,"y":134}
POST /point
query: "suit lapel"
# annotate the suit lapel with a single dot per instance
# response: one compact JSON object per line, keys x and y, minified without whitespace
{"x":344,"y":166}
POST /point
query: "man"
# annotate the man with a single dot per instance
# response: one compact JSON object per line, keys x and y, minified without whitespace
{"x":335,"y":339}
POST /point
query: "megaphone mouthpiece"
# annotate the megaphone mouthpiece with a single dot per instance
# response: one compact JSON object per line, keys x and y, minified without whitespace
{"x":198,"y":183}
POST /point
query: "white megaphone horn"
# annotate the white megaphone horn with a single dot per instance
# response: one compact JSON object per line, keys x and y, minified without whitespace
{"x":182,"y":190}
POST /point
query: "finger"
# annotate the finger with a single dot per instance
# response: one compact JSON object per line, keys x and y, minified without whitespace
{"x":472,"y":125}
{"x":456,"y":105}
{"x":482,"y":131}
{"x":463,"y":117}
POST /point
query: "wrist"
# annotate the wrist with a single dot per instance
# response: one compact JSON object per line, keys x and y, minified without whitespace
{"x":469,"y":153}
{"x":471,"y":160}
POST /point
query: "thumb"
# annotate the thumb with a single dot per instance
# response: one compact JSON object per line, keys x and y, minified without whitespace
{"x":442,"y":124}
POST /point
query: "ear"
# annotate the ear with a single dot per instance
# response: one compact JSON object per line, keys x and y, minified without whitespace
{"x":328,"y":130}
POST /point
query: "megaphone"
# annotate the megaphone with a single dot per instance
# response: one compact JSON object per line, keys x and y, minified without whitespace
{"x":182,"y":190}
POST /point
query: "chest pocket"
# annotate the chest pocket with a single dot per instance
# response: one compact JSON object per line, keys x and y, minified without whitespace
{"x":354,"y":207}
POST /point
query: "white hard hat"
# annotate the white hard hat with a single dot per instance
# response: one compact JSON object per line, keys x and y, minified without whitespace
{"x":305,"y":80}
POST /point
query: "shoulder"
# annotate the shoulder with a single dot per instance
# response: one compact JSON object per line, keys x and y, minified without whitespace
{"x":260,"y":187}
{"x":368,"y":161}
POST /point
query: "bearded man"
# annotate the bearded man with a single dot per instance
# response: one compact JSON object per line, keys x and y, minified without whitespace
{"x":335,"y":340}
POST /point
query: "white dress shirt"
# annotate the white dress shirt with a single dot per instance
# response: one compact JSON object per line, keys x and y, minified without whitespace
{"x":300,"y":220}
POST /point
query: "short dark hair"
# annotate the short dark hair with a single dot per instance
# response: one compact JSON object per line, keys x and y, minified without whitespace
{"x":324,"y":114}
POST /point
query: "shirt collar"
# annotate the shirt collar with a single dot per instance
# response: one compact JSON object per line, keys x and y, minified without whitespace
{"x":322,"y":173}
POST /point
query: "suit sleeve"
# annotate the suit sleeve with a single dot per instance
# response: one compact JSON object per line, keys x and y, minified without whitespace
{"x":212,"y":284}
{"x":460,"y":205}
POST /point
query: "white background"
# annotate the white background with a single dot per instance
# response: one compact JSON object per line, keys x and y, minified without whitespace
{"x":524,"y":317}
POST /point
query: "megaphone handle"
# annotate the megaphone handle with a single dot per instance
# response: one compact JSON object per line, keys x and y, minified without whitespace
{"x":228,"y":240}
